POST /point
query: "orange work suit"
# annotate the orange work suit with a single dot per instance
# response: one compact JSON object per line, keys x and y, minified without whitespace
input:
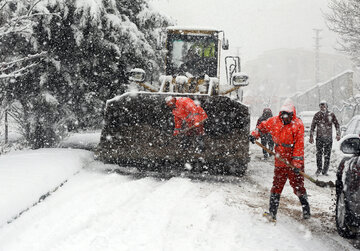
{"x":289,"y":145}
{"x":186,"y":115}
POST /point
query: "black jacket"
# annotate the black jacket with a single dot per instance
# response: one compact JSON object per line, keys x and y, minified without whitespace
{"x":267,"y":113}
{"x":323,"y":122}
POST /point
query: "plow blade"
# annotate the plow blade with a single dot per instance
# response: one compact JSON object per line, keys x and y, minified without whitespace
{"x":138,"y":132}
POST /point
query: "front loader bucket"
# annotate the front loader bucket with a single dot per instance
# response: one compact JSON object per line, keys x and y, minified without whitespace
{"x":138,"y":132}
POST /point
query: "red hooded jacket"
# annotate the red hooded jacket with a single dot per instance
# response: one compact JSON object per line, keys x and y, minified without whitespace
{"x":187,"y":111}
{"x":288,"y":139}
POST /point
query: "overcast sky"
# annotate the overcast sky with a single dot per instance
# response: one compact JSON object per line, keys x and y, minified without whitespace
{"x":256,"y":25}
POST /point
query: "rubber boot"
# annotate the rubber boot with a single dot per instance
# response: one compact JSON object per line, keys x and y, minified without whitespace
{"x":305,"y":206}
{"x":266,"y":155}
{"x":274,"y":204}
{"x":356,"y":242}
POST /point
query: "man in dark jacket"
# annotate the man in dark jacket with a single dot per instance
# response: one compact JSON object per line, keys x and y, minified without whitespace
{"x":266,"y":138}
{"x":323,"y":121}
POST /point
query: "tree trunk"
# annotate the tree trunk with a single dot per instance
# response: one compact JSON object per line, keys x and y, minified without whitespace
{"x":26,"y":122}
{"x":6,"y":127}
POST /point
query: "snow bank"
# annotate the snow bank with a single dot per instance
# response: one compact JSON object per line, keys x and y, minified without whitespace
{"x":27,"y":175}
{"x":84,"y":140}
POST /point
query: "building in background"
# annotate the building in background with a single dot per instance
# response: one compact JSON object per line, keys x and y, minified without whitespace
{"x":284,"y":72}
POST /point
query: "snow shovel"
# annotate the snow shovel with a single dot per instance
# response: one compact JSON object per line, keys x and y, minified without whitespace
{"x":317,"y":182}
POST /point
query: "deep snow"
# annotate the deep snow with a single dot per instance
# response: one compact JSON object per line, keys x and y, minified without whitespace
{"x":27,"y":175}
{"x":98,"y":210}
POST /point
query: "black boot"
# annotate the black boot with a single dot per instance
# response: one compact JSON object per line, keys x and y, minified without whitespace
{"x":274,"y":204}
{"x":356,"y":242}
{"x":305,"y":206}
{"x":266,"y":155}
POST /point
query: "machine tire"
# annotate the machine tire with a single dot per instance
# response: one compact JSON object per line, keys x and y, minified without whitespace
{"x":342,"y":217}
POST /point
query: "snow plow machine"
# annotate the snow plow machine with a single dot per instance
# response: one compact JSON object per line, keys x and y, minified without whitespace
{"x":138,"y":129}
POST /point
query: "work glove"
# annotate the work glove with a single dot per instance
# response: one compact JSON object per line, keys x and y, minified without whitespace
{"x":252,"y":139}
{"x":296,"y":170}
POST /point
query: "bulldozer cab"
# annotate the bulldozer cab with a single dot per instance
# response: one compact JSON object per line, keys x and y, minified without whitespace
{"x":192,"y":52}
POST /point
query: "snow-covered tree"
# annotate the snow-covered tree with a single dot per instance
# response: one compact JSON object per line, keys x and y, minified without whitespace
{"x":86,"y":49}
{"x":344,"y":20}
{"x":18,"y":57}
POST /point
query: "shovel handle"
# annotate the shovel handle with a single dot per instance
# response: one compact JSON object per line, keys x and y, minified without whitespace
{"x":192,"y":127}
{"x":317,"y":182}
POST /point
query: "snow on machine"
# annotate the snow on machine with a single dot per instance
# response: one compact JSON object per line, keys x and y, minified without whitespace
{"x":138,"y":130}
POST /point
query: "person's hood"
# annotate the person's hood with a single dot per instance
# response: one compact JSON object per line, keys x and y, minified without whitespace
{"x":288,"y":106}
{"x":267,"y":113}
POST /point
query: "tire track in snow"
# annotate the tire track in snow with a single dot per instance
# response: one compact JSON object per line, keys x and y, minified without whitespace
{"x":41,"y":199}
{"x":78,"y":215}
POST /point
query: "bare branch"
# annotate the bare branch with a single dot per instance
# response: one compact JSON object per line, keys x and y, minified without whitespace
{"x":29,"y":57}
{"x":345,"y":20}
{"x":22,"y":23}
{"x":3,"y":5}
{"x":18,"y":72}
{"x":32,"y":7}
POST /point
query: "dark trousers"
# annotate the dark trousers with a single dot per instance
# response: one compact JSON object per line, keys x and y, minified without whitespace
{"x":266,"y":140}
{"x":196,"y":144}
{"x":323,"y":147}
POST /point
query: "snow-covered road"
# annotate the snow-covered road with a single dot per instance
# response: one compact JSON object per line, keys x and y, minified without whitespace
{"x":96,"y":210}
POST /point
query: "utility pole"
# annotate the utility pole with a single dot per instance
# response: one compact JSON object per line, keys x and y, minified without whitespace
{"x":317,"y":54}
{"x":317,"y":59}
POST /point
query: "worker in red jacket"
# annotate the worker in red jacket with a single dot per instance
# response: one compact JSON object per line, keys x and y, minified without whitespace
{"x":187,"y":115}
{"x":288,"y":135}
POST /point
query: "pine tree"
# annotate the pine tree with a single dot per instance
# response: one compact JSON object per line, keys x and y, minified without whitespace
{"x":88,"y":46}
